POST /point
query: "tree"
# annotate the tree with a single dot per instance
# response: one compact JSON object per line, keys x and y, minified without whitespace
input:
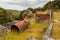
{"x":22,"y":15}
{"x":3,"y":16}
{"x":31,"y":9}
{"x":52,"y":5}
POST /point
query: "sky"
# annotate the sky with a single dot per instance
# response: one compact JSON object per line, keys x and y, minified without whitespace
{"x":22,"y":4}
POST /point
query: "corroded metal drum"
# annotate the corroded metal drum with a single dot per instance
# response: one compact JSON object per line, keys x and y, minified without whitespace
{"x":20,"y":26}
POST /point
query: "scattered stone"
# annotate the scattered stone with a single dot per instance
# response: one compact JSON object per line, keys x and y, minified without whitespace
{"x":48,"y":33}
{"x":3,"y":29}
{"x":48,"y":38}
{"x":31,"y":38}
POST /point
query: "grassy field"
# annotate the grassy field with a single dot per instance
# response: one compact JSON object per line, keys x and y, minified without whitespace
{"x":38,"y":34}
{"x":56,"y":16}
{"x":56,"y":28}
{"x":56,"y":31}
{"x":34,"y":32}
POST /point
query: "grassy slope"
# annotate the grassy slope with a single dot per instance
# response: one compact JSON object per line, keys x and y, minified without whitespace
{"x":15,"y":13}
{"x":56,"y":28}
{"x":23,"y":35}
{"x":56,"y":15}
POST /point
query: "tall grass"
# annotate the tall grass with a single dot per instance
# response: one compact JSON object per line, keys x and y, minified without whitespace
{"x":23,"y":35}
{"x":56,"y":27}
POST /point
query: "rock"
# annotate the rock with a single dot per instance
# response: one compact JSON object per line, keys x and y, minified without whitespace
{"x":31,"y":38}
{"x":3,"y":30}
{"x":51,"y":39}
{"x":48,"y":33}
{"x":48,"y":38}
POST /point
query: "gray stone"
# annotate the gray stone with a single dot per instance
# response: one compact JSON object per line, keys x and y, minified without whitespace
{"x":47,"y":38}
{"x":31,"y":38}
{"x":48,"y":33}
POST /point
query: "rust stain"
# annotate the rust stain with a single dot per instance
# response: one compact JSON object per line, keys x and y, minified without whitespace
{"x":21,"y":25}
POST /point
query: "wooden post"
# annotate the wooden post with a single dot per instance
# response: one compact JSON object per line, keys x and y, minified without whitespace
{"x":50,"y":13}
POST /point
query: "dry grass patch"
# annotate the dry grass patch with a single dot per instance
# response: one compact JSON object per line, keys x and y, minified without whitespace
{"x":56,"y":27}
{"x":23,"y":35}
{"x":56,"y":31}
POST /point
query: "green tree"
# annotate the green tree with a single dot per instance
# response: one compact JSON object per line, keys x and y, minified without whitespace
{"x":52,"y":5}
{"x":3,"y":16}
{"x":22,"y":15}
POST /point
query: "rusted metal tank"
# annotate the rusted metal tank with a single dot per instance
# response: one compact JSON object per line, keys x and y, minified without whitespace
{"x":42,"y":17}
{"x":21,"y":25}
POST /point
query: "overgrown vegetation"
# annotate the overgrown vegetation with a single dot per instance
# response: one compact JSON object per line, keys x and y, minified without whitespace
{"x":11,"y":15}
{"x":25,"y":34}
{"x":53,"y":5}
{"x":56,"y":27}
{"x":4,"y":16}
